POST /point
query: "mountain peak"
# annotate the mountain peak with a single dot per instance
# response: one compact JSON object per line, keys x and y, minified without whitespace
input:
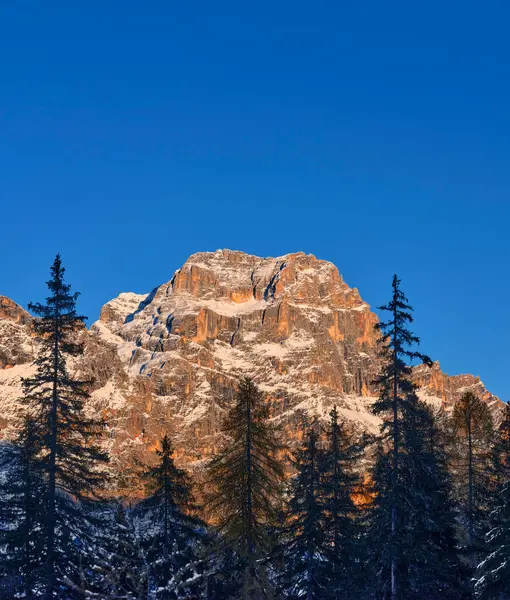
{"x":238,"y":277}
{"x":170,"y":361}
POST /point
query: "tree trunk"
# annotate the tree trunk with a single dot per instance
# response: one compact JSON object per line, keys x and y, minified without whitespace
{"x":394,"y":473}
{"x":309,"y":587}
{"x":51,"y":517}
{"x":165,"y":556}
{"x":29,"y":580}
{"x":470,"y":493}
{"x":249,"y":507}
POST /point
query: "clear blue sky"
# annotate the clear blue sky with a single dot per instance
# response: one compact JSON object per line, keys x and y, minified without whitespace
{"x":373,"y":134}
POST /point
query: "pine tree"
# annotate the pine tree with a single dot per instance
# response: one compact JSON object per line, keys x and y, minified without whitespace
{"x":380,"y":551}
{"x":21,"y":514}
{"x":472,"y":459}
{"x":434,"y":568}
{"x":127,"y":569}
{"x":305,"y":573}
{"x":340,"y":480}
{"x":247,"y":477}
{"x":412,"y":520}
{"x":322,"y":549}
{"x":396,"y":396}
{"x":170,"y":536}
{"x":493,"y":574}
{"x":222,"y":566}
{"x":119,"y":571}
{"x":429,"y":565}
{"x":68,"y":453}
{"x":501,"y":449}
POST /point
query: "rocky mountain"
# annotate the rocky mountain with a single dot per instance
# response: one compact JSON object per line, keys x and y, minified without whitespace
{"x":16,"y":344}
{"x":170,"y":360}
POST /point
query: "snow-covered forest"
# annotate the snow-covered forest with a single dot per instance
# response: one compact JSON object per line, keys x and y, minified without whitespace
{"x":419,"y":511}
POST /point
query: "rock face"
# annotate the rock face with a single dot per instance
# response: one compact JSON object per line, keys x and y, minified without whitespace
{"x":171,"y":360}
{"x":10,"y":311}
{"x":16,"y":344}
{"x":449,"y":388}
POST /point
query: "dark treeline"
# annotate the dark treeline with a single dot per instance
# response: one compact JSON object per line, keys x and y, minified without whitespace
{"x":421,"y":511}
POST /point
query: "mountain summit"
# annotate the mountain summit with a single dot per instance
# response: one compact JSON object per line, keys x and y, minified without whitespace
{"x":171,"y":360}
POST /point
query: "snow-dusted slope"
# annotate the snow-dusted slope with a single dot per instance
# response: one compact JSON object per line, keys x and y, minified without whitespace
{"x":170,"y":361}
{"x":291,"y":323}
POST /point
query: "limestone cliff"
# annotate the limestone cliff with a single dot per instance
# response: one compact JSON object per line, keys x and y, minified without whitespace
{"x":16,"y":344}
{"x":170,"y":360}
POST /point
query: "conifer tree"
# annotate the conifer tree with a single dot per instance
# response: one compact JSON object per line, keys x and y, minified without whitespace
{"x":306,"y":573}
{"x":396,"y":396}
{"x":429,"y":566}
{"x":22,"y":514}
{"x":412,"y":521}
{"x":247,"y":477}
{"x":340,"y":480}
{"x":322,"y":549}
{"x":472,"y":460}
{"x":380,"y":551}
{"x":501,"y":449}
{"x":119,"y":571}
{"x":493,"y":574}
{"x":434,"y":568}
{"x":170,"y":535}
{"x":222,"y":569}
{"x":68,"y":455}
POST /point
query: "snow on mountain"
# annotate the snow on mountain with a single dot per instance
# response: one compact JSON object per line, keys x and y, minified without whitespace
{"x":171,"y":360}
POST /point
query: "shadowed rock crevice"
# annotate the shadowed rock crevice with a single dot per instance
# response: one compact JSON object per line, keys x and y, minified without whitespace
{"x":142,"y":305}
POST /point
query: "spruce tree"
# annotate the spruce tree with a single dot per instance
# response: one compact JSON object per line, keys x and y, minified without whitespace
{"x":472,"y":461}
{"x":119,"y":571}
{"x":493,"y":574}
{"x":68,"y":454}
{"x":340,"y":480}
{"x":380,"y":551}
{"x":429,"y":565}
{"x":170,"y":536}
{"x":22,"y":515}
{"x":501,"y":449}
{"x":246,"y":477}
{"x":433,"y":565}
{"x":221,"y":567}
{"x":396,"y":396}
{"x":322,"y":546}
{"x":306,"y":573}
{"x":412,"y":530}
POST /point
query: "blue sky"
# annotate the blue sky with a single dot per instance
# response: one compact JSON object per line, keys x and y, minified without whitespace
{"x":372,"y":134}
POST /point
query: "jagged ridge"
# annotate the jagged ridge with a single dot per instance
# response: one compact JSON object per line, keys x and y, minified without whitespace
{"x":170,"y":360}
